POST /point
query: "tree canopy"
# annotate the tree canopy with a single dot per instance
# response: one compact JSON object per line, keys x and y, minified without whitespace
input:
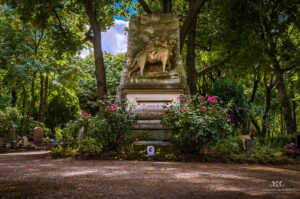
{"x":253,"y":44}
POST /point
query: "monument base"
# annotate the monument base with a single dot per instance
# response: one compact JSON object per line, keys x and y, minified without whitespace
{"x":150,"y":98}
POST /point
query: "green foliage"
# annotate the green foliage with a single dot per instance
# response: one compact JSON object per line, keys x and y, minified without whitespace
{"x":103,"y":132}
{"x":113,"y":66}
{"x":63,"y":151}
{"x":110,"y":125}
{"x":60,"y":110}
{"x":195,"y":122}
{"x":28,"y":124}
{"x":87,"y":83}
{"x":68,"y":136}
{"x":232,"y":95}
{"x":9,"y":118}
{"x":89,"y":145}
{"x":264,"y":153}
{"x":230,"y":145}
{"x":276,"y":141}
{"x":231,"y":149}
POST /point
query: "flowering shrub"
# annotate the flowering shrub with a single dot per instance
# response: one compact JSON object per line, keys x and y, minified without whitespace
{"x":232,"y":93}
{"x":291,"y":150}
{"x":110,"y":125}
{"x":195,"y":121}
{"x":103,"y":132}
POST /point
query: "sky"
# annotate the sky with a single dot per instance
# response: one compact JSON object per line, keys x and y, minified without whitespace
{"x":114,"y":40}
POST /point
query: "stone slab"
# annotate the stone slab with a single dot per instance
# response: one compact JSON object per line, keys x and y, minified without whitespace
{"x":148,"y":134}
{"x":148,"y":124}
{"x":152,"y":143}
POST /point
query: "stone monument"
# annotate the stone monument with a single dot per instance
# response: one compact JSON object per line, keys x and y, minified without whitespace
{"x":153,"y":75}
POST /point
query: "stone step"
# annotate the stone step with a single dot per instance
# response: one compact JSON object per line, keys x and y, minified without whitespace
{"x":152,"y":142}
{"x":150,"y":114}
{"x":148,"y":134}
{"x":148,"y":124}
{"x":160,"y":146}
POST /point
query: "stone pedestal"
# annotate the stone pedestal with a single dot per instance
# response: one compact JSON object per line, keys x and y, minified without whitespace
{"x":151,"y":40}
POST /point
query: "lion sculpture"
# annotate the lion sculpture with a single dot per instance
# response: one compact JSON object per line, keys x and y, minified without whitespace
{"x":158,"y":50}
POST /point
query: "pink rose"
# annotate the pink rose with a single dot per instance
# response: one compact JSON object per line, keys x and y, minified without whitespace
{"x":212,"y":100}
{"x":229,"y":119}
{"x":202,"y":98}
{"x":202,"y":108}
{"x":83,"y":113}
{"x":185,"y":110}
{"x":113,"y":107}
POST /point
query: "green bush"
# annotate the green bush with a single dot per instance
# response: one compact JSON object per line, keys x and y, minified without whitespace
{"x":64,"y":151}
{"x":61,"y":109}
{"x":229,"y":146}
{"x":111,"y":124}
{"x":89,"y":145}
{"x":195,"y":122}
{"x":9,"y":118}
{"x":103,"y":132}
{"x":28,"y":124}
{"x":276,"y":141}
{"x":68,"y":135}
{"x":261,"y":153}
{"x":232,"y":93}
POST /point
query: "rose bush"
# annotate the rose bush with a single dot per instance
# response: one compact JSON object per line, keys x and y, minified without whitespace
{"x":110,"y":125}
{"x":196,"y":121}
{"x":103,"y":132}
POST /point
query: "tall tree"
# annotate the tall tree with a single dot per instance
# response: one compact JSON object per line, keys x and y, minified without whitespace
{"x":91,"y":12}
{"x":191,"y":56}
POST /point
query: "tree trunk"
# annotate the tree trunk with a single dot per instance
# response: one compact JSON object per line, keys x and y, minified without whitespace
{"x":98,"y":54}
{"x":268,"y":92}
{"x":254,"y":90}
{"x":24,"y":93}
{"x":46,"y":94}
{"x":32,"y":103}
{"x":43,"y":97}
{"x":295,"y":114}
{"x":145,"y":6}
{"x":14,"y":98}
{"x":191,"y":57}
{"x":254,"y":123}
{"x":255,"y":87}
{"x":194,"y":9}
{"x":167,"y":6}
{"x":294,"y":106}
{"x":284,"y":99}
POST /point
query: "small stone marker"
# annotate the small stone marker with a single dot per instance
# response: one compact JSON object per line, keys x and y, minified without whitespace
{"x":25,"y":140}
{"x":150,"y":150}
{"x":38,"y":135}
{"x":80,"y":133}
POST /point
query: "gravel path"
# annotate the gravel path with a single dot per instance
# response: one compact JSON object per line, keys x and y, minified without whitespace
{"x":35,"y":175}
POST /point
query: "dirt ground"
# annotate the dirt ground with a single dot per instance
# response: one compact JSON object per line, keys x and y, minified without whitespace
{"x":36,"y":175}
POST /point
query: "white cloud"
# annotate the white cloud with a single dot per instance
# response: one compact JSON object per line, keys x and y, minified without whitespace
{"x":114,"y":40}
